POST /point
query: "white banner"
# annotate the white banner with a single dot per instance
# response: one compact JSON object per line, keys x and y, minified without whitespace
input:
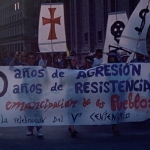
{"x":106,"y":94}
{"x":51,"y":37}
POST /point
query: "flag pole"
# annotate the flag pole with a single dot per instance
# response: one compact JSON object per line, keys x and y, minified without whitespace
{"x":52,"y":46}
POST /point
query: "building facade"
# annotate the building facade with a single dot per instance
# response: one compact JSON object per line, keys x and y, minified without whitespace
{"x":88,"y":22}
{"x":85,"y":23}
{"x":19,"y":25}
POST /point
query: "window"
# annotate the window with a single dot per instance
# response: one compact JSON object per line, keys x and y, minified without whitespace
{"x":35,"y":3}
{"x":114,"y":6}
{"x":21,"y":46}
{"x":21,"y":29}
{"x":99,"y":35}
{"x":17,"y":16}
{"x":16,"y":5}
{"x":15,"y":30}
{"x":86,"y":37}
{"x":20,"y":15}
{"x":35,"y":15}
{"x":35,"y":30}
{"x":16,"y":47}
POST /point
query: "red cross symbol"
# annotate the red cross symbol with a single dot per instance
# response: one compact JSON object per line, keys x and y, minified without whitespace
{"x":52,"y":21}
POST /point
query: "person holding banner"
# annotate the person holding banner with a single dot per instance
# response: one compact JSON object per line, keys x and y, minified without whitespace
{"x":73,"y":64}
{"x":31,"y":58}
{"x":114,"y":57}
{"x":30,"y":61}
{"x":88,"y":62}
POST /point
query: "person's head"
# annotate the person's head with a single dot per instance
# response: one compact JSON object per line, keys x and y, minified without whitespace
{"x":64,"y":56}
{"x":44,"y":55}
{"x":73,"y":61}
{"x":60,"y":56}
{"x":22,"y":57}
{"x":18,"y":55}
{"x":88,"y":61}
{"x":7,"y":54}
{"x":124,"y":57}
{"x":30,"y":58}
{"x":113,"y":57}
{"x":98,"y":53}
{"x":73,"y":54}
{"x":139,"y":56}
{"x":55,"y":58}
{"x":38,"y":56}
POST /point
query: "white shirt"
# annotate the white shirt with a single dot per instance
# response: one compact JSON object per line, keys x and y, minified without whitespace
{"x":97,"y":62}
{"x":42,"y":62}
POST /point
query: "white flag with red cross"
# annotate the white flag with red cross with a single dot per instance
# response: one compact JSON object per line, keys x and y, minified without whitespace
{"x":51,"y":37}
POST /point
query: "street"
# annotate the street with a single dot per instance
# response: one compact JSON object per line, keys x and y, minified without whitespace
{"x":133,"y":136}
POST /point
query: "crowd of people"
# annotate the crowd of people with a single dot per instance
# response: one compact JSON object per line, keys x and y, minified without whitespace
{"x":62,"y":61}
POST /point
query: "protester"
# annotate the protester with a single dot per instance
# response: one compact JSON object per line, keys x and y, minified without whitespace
{"x":31,"y":58}
{"x":64,"y":61}
{"x":38,"y":57}
{"x":73,"y":54}
{"x":59,"y":60}
{"x":124,"y":56}
{"x":2,"y":62}
{"x":19,"y":59}
{"x":55,"y":61}
{"x":88,"y":62}
{"x":7,"y":58}
{"x":98,"y":57}
{"x":44,"y":60}
{"x":30,"y":61}
{"x":50,"y":60}
{"x":23,"y":59}
{"x":73,"y":64}
{"x":114,"y":57}
{"x":139,"y":58}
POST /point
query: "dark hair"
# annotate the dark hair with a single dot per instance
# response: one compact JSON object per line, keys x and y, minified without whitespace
{"x":30,"y":53}
{"x":73,"y":52}
{"x":114,"y":54}
{"x":89,"y":59}
{"x":99,"y":51}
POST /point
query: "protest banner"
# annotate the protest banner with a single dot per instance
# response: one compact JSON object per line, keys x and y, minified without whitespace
{"x":107,"y":94}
